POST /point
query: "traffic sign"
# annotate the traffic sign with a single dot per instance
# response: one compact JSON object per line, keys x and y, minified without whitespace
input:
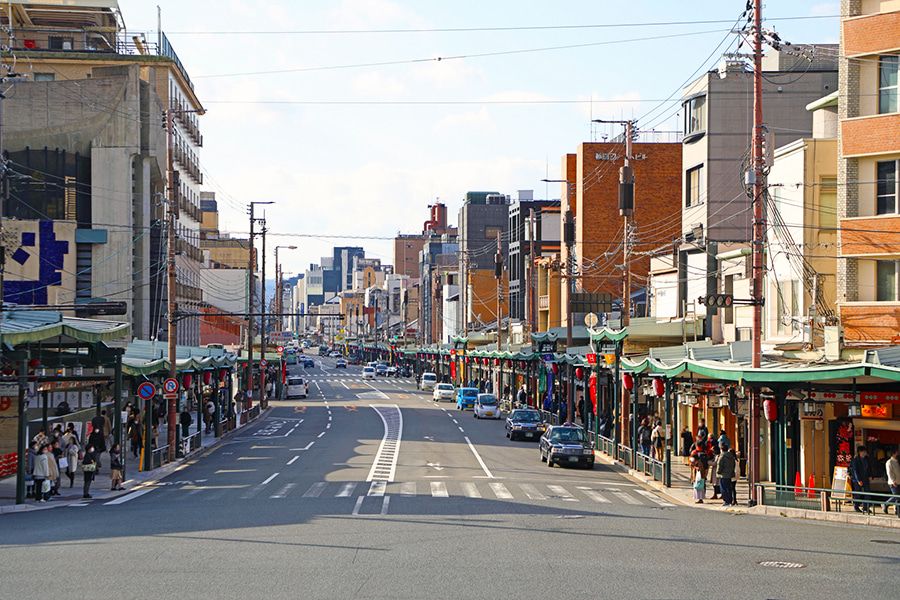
{"x":146,"y":390}
{"x":263,"y":363}
{"x":280,"y":349}
{"x":170,"y":385}
{"x":592,"y":358}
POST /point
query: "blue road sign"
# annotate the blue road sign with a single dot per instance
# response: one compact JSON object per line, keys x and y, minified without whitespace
{"x":146,"y":390}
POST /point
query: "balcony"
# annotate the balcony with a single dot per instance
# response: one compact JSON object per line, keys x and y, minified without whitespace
{"x":870,"y":322}
{"x":870,"y":236}
{"x":187,"y":207}
{"x":188,"y":163}
{"x":188,"y":121}
{"x":188,"y":293}
{"x":187,"y":249}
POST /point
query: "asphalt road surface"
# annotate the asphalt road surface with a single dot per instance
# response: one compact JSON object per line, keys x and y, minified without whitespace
{"x":367,"y":489}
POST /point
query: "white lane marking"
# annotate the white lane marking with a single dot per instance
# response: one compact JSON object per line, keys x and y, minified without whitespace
{"x":320,"y":435}
{"x":79,"y":505}
{"x":439,"y":489}
{"x":271,"y":477}
{"x":455,"y":422}
{"x":357,"y":506}
{"x":128,"y":497}
{"x":346,"y":490}
{"x":328,"y":426}
{"x":532,"y":492}
{"x":377,"y":488}
{"x":561,"y":492}
{"x":484,"y":468}
{"x":500,"y":491}
{"x":307,"y":447}
{"x":408,"y":488}
{"x":329,"y":415}
{"x":290,"y":431}
{"x":293,"y":460}
{"x":283,"y":492}
{"x":254,"y":457}
{"x":317,"y":385}
{"x":384,"y":505}
{"x":384,"y":466}
{"x":626,"y":498}
{"x":461,"y":429}
{"x":345,"y":385}
{"x":594,"y":495}
{"x":470,"y":490}
{"x":315,"y":490}
{"x":654,"y":498}
{"x":222,"y":471}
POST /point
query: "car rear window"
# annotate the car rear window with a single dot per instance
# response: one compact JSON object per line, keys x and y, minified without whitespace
{"x":470,"y":393}
{"x":429,"y":377}
{"x":295,"y":381}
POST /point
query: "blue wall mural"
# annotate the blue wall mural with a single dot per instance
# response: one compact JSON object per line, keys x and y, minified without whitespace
{"x":50,"y":255}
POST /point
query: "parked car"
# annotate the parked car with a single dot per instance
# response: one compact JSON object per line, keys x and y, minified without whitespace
{"x":443,"y":391}
{"x":428,"y":381}
{"x":465,"y":397}
{"x":486,"y":407}
{"x":368,"y":373}
{"x":296,"y":387}
{"x":566,"y":445}
{"x":340,"y":364}
{"x":524,"y":423}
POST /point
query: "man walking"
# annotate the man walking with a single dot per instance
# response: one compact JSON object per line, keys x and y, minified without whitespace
{"x":725,"y":467}
{"x":892,"y":467}
{"x":859,"y":479}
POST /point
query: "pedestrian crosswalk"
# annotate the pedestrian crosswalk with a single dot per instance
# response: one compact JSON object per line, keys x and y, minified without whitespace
{"x":481,"y":490}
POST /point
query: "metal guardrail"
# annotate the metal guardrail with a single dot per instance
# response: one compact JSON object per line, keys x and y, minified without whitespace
{"x":160,"y":456}
{"x":649,"y":466}
{"x":824,"y":499}
{"x":189,"y":444}
{"x":625,"y":454}
{"x":606,"y":445}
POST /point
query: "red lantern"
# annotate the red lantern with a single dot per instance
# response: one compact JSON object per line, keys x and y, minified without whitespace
{"x":659,"y":387}
{"x":628,"y":381}
{"x":592,"y":387}
{"x":223,"y":373}
{"x":207,"y":377}
{"x":555,"y":368}
{"x":34,"y":363}
{"x":579,"y":373}
{"x":496,"y":362}
{"x":770,"y":409}
{"x":188,"y":379}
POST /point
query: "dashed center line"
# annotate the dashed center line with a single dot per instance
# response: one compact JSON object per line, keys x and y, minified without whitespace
{"x":270,"y":478}
{"x":290,"y":462}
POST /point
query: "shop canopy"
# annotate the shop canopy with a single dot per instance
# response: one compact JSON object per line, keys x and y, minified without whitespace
{"x":732,"y":362}
{"x":20,"y":327}
{"x":144,"y":357}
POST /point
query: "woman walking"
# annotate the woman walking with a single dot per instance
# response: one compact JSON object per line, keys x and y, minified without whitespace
{"x":72,"y":452}
{"x":115,"y":465}
{"x":699,"y":480}
{"x":41,"y":472}
{"x":88,"y":467}
{"x":53,"y":469}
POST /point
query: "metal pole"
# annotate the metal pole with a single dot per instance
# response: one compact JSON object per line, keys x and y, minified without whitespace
{"x":670,"y":432}
{"x":570,"y":286}
{"x":22,"y":442}
{"x":251,"y":271}
{"x":626,"y":213}
{"x":759,"y":225}
{"x":531,"y":296}
{"x":617,"y":397}
{"x":498,"y":273}
{"x":148,"y":435}
{"x":117,"y":398}
{"x":262,"y":327}
{"x":172,"y":333}
{"x":217,"y":404}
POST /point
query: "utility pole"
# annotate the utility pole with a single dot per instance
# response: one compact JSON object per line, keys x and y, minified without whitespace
{"x":626,"y":209}
{"x":530,"y":312}
{"x":569,"y":235}
{"x":171,"y":278}
{"x":251,"y":273}
{"x":759,"y":226}
{"x":262,"y":328}
{"x":498,"y":273}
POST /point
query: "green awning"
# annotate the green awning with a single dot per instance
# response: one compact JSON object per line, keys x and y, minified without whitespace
{"x":19,"y":327}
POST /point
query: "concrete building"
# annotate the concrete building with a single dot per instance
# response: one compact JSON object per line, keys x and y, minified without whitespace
{"x":338,"y":274}
{"x":439,"y":259}
{"x":315,"y":292}
{"x":82,"y":40}
{"x":483,"y":224}
{"x":718,"y":116}
{"x":534,"y":231}
{"x":869,"y":173}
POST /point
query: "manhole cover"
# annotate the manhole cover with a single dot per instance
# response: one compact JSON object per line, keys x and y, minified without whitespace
{"x":780,"y":564}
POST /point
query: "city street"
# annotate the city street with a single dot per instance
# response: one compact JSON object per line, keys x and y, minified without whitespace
{"x":367,"y":489}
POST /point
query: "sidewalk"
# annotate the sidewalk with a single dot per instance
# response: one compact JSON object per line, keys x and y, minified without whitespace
{"x":101,"y":484}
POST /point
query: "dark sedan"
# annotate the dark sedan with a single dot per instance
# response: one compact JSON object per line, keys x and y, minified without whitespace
{"x":309,"y":363}
{"x":524,"y":424}
{"x":566,"y":445}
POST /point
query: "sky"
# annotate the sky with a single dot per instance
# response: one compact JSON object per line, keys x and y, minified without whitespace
{"x":293,"y":117}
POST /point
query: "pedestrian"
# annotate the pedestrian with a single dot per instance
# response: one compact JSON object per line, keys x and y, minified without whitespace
{"x":88,"y":469}
{"x":686,"y":440}
{"x":97,"y":440}
{"x":135,"y":435}
{"x":58,"y":456}
{"x":30,"y":459}
{"x":713,"y":472}
{"x":645,"y":437}
{"x":209,"y":415}
{"x":859,"y":479}
{"x":723,"y":439}
{"x":698,"y":479}
{"x":97,"y":422}
{"x":115,"y":467}
{"x":892,"y":470}
{"x":73,"y":450}
{"x":702,"y":431}
{"x":656,"y":439}
{"x":41,"y":473}
{"x":69,"y":437}
{"x":185,"y":419}
{"x":522,"y":397}
{"x":725,"y":467}
{"x":40,"y":438}
{"x":52,"y":473}
{"x":107,"y":428}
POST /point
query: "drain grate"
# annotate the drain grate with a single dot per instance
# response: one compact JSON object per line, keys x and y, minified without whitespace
{"x":780,"y":564}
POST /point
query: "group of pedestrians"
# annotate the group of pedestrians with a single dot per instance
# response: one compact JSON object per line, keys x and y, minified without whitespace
{"x":713,"y":463}
{"x":860,"y":472}
{"x":652,"y":437}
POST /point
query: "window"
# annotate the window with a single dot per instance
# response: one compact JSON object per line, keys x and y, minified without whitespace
{"x":886,"y":281}
{"x":828,"y":202}
{"x":45,"y":76}
{"x":886,"y":188}
{"x":61,"y":43}
{"x":695,"y":115}
{"x":693,"y":182}
{"x":491,"y":233}
{"x":887,"y":84}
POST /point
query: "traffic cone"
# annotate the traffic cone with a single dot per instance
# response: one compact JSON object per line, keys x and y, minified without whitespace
{"x":798,"y":485}
{"x":812,"y":483}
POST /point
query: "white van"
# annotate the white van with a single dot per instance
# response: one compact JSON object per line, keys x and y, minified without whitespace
{"x":428,"y":381}
{"x":296,"y":387}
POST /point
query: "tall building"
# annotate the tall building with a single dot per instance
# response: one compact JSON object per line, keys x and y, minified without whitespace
{"x":534,"y":230}
{"x":483,"y":231}
{"x":77,"y":43}
{"x":339,"y":276}
{"x":869,"y":173}
{"x":718,"y":117}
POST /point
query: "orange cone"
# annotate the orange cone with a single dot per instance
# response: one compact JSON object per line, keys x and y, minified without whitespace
{"x":798,"y":485}
{"x":812,"y":483}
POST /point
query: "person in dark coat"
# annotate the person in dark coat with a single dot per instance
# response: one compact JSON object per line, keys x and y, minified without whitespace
{"x":185,"y":419}
{"x":89,"y":465}
{"x":98,"y":441}
{"x":859,"y":479}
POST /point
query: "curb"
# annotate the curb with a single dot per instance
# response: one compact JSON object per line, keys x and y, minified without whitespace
{"x":157,"y":475}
